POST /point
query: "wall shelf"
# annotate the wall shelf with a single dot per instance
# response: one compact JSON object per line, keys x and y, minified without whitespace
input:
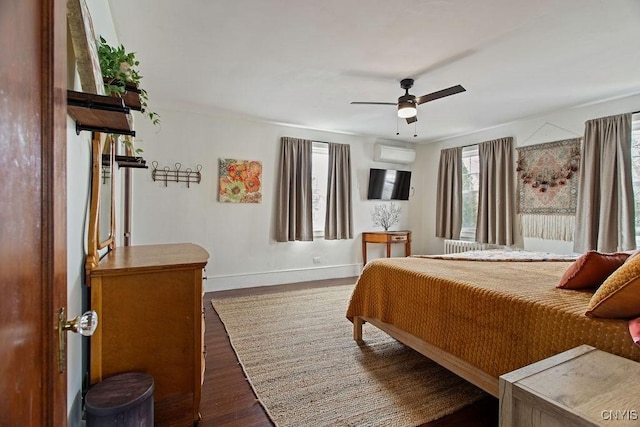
{"x":131,"y":95}
{"x":126,"y":161}
{"x":131,"y":162}
{"x":99,"y":113}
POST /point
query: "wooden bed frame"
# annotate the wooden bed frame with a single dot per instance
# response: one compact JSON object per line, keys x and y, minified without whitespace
{"x":456,"y":365}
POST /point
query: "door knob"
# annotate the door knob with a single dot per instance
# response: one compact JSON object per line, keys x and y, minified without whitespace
{"x":85,"y":325}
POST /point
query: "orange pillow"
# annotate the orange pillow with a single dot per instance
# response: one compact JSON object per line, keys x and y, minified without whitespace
{"x":633,"y":254}
{"x":591,"y":269}
{"x":634,"y":330}
{"x":619,"y":295}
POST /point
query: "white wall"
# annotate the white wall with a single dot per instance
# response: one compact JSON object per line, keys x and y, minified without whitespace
{"x":559,"y":125}
{"x":78,"y":190}
{"x":78,"y":187}
{"x":239,"y":237}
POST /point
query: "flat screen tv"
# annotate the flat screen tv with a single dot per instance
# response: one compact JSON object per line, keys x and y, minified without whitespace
{"x":388,"y":184}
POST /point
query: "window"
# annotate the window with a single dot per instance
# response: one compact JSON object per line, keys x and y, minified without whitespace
{"x":319,"y":173}
{"x":635,"y":170}
{"x":470,"y":187}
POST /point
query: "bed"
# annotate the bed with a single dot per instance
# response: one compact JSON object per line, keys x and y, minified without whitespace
{"x":481,"y":319}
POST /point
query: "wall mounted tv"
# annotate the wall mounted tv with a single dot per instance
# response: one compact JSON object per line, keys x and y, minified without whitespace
{"x":388,"y":184}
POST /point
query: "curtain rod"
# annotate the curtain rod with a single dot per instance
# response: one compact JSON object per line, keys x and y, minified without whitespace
{"x":468,"y":145}
{"x":478,"y":143}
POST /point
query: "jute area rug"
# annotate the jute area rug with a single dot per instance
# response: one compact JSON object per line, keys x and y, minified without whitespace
{"x":298,"y":353}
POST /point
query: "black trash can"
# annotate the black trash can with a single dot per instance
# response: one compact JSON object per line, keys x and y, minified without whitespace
{"x":124,"y":400}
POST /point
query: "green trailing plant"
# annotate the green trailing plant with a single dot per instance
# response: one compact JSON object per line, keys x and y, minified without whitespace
{"x":120,"y":67}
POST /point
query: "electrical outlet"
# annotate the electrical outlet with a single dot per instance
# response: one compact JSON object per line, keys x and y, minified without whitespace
{"x":316,"y":260}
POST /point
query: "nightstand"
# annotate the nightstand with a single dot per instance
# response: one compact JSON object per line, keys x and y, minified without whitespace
{"x":388,"y":238}
{"x":579,"y":387}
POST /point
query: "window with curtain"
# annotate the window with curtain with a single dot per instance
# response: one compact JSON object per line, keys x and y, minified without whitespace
{"x":470,"y":186}
{"x":635,"y":171}
{"x":339,"y":212}
{"x":314,"y":191}
{"x":496,"y":207}
{"x":605,"y":216}
{"x":449,"y":194}
{"x":294,"y":203}
{"x":319,"y":170}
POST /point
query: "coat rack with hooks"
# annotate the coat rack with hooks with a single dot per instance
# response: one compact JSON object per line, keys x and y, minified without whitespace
{"x":166,"y":174}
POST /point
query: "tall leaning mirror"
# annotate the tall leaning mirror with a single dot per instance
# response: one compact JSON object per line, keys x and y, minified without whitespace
{"x":102,"y":206}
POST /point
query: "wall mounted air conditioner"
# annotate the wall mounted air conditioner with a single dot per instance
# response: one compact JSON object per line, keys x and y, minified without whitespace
{"x":391,"y":154}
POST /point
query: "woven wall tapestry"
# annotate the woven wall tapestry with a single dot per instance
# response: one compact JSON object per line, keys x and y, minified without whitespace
{"x":548,"y":188}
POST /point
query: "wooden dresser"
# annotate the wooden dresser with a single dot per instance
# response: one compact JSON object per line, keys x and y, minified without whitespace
{"x":151,"y":320}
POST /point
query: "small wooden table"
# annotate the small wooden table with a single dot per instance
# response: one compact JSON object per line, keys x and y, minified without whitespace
{"x":387,"y":237}
{"x":583,"y":386}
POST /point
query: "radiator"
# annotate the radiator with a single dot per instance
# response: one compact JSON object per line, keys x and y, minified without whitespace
{"x":457,"y":246}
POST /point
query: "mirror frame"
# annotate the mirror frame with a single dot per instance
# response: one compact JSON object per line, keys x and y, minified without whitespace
{"x":94,"y":245}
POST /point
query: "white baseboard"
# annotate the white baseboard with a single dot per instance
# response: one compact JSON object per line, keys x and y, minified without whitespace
{"x":266,"y":278}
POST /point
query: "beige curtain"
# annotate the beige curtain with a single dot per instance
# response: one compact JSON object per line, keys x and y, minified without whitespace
{"x":338,"y":222}
{"x":294,"y":219}
{"x":496,"y":204}
{"x":605,"y":211}
{"x":449,"y":197}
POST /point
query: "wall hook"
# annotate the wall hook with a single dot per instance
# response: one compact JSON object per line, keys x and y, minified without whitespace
{"x":167,"y":174}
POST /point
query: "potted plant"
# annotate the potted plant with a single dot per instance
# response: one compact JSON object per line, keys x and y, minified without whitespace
{"x":121,"y":78}
{"x":120,"y":72}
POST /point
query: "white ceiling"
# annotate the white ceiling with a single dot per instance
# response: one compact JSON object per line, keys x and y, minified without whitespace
{"x":301,"y":62}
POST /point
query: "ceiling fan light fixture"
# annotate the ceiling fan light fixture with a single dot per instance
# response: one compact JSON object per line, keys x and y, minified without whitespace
{"x":406,"y":109}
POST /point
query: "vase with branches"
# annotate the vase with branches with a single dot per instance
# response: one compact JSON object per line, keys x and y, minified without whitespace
{"x":385,"y":215}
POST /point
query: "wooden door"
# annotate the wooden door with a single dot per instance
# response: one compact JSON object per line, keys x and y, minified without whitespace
{"x":32,"y":210}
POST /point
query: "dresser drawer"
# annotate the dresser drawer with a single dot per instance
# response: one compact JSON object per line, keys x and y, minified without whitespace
{"x":399,"y":238}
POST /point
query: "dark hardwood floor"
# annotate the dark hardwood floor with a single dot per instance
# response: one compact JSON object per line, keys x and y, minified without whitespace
{"x":227,"y":397}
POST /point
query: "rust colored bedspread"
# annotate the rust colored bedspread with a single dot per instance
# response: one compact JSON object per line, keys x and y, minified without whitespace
{"x":495,"y":316}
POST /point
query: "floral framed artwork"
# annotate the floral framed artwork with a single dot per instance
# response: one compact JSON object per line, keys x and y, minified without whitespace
{"x":240,"y":181}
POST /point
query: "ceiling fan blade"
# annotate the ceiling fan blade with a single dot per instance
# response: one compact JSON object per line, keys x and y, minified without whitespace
{"x":376,"y":103}
{"x":440,"y":94}
{"x":412,"y":119}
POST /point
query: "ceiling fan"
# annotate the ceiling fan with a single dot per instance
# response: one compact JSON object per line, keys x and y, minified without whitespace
{"x":407,"y":103}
